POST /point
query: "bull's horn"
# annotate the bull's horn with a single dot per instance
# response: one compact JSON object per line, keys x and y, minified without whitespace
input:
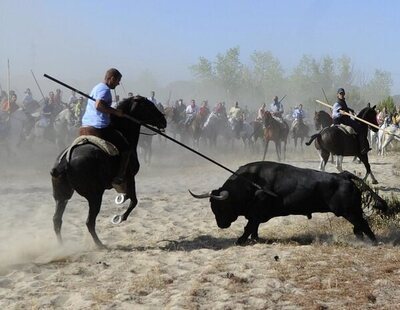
{"x":200,"y":196}
{"x":222,"y":196}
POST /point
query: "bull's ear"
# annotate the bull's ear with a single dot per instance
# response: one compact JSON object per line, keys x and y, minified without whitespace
{"x":374,"y":107}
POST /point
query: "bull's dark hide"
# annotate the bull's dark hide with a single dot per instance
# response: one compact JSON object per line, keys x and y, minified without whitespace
{"x":288,"y":190}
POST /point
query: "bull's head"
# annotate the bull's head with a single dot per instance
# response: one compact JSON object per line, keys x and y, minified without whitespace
{"x":226,"y":206}
{"x":222,"y":207}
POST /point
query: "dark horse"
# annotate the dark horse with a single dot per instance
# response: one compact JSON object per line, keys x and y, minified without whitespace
{"x":90,"y":170}
{"x":299,"y":131}
{"x":195,"y":130}
{"x":322,"y":119}
{"x":275,"y":131}
{"x":336,"y":141}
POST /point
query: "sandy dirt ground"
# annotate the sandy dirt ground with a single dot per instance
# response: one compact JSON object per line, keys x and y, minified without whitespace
{"x":170,"y":254}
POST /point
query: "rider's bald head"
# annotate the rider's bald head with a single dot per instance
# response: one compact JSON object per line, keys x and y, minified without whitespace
{"x":112,"y":73}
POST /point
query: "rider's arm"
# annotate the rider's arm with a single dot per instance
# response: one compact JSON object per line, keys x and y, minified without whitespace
{"x":102,"y":107}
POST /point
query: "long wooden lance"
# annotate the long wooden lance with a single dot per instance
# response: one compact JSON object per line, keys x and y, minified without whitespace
{"x":359,"y":119}
{"x":37,"y":84}
{"x":166,"y":136}
{"x":8,"y":80}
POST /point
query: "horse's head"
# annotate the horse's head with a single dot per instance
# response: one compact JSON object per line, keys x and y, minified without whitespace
{"x":317,"y":120}
{"x":322,"y":119}
{"x":143,"y":110}
{"x":267,"y":117}
{"x":369,"y":114}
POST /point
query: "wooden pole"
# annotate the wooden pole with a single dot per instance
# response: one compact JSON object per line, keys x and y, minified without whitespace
{"x":37,"y":84}
{"x":8,"y":80}
{"x":357,"y":118}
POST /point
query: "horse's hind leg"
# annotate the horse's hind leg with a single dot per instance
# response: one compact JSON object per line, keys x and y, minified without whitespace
{"x":62,"y":192}
{"x":94,"y":209}
{"x":57,"y":218}
{"x":284,"y":149}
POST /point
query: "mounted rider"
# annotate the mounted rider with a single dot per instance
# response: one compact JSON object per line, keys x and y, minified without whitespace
{"x":298,"y":115}
{"x":204,"y":111}
{"x":179,"y":112}
{"x":339,"y":118}
{"x":261,"y":112}
{"x":96,"y":121}
{"x":277,"y":109}
{"x":158,"y":104}
{"x":10,"y":106}
{"x":7,"y":108}
{"x":191,"y":112}
{"x":236,"y":118}
{"x":235,"y":113}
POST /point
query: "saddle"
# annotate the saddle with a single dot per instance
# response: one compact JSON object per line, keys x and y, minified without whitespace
{"x":104,"y":145}
{"x":346,"y":129}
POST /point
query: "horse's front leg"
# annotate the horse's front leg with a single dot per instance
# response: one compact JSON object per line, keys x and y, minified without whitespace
{"x":278,"y":149}
{"x":324,"y":156}
{"x":265,"y":148}
{"x":364,"y":159}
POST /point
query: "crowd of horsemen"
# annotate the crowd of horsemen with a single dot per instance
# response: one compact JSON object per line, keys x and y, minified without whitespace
{"x":180,"y":116}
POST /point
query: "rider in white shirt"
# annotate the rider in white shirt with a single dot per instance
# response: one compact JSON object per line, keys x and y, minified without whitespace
{"x":191,"y":112}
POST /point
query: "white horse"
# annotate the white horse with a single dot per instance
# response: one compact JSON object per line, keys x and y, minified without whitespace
{"x":392,"y":132}
{"x":65,"y":128}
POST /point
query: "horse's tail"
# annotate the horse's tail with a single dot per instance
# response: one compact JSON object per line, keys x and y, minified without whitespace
{"x":61,"y":166}
{"x":380,"y":204}
{"x":313,"y":137}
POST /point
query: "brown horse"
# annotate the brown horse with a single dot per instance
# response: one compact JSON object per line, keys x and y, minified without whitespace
{"x":276,"y":131}
{"x":175,"y":122}
{"x":195,"y":130}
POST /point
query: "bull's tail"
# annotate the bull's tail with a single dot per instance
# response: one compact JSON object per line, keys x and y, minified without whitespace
{"x":379,"y":204}
{"x":313,"y":137}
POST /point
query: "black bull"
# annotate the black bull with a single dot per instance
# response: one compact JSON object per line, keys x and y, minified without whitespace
{"x":288,"y":190}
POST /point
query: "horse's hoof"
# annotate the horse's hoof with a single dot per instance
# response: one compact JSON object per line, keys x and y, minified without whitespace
{"x":375,"y":182}
{"x":117,"y":219}
{"x":120,"y":199}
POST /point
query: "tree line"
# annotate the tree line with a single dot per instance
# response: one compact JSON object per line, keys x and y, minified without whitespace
{"x":227,"y":78}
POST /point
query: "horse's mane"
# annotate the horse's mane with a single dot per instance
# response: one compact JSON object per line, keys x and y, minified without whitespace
{"x":322,"y":112}
{"x":365,"y":111}
{"x":126,"y":104}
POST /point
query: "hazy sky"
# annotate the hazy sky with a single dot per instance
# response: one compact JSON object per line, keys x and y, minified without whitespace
{"x":78,"y":40}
